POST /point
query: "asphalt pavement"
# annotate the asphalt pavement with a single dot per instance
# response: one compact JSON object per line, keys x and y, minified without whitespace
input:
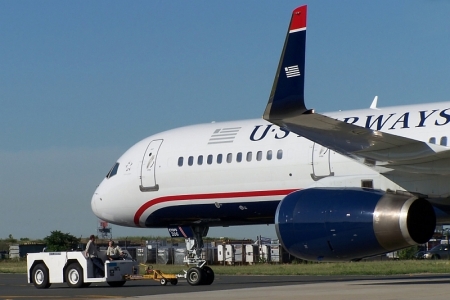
{"x":15,"y":286}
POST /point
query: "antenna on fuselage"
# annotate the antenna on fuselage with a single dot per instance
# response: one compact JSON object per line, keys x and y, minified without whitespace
{"x":374,"y":103}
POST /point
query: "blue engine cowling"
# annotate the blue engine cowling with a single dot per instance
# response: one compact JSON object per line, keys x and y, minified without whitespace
{"x":338,"y":224}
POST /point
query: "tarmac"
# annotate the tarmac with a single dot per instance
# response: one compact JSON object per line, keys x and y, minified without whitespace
{"x":410,"y":289}
{"x":416,"y":286}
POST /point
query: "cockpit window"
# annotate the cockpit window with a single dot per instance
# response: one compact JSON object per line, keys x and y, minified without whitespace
{"x":113,"y":171}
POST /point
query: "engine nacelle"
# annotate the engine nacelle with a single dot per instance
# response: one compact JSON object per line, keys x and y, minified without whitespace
{"x":330,"y":224}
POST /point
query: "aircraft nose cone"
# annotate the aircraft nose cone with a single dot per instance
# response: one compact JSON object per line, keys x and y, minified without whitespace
{"x":95,"y":203}
{"x":100,"y":209}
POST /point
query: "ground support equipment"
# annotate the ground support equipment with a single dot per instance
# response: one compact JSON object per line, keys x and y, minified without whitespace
{"x":73,"y":268}
{"x":157,"y":275}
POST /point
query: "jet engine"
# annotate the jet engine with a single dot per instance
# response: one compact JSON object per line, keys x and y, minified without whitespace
{"x":331,"y":224}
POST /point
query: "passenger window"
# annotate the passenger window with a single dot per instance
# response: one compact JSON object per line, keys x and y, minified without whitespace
{"x":432,"y":140}
{"x":239,"y":157}
{"x":443,"y":141}
{"x":249,"y":156}
{"x":180,"y":161}
{"x":280,"y":154}
{"x":190,"y":160}
{"x":113,"y":170}
{"x":258,"y":155}
{"x":210,"y":159}
{"x":269,"y":155}
{"x":200,"y":160}
{"x":229,"y":158}
{"x":219,"y":158}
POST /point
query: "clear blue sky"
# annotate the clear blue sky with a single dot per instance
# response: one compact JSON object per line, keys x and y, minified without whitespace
{"x":80,"y":82}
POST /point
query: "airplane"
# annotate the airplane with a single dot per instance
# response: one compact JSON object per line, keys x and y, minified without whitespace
{"x":339,"y":186}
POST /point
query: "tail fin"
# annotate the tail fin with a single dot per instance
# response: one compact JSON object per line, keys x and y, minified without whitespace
{"x":287,"y":96}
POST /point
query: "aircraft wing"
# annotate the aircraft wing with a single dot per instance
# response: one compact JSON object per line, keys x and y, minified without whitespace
{"x":377,"y":149}
{"x":383,"y":151}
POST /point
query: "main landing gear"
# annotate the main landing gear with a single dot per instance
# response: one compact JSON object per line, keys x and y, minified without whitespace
{"x":199,"y":273}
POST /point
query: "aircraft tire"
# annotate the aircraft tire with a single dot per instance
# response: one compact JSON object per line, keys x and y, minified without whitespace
{"x":208,"y":273}
{"x":194,"y":276}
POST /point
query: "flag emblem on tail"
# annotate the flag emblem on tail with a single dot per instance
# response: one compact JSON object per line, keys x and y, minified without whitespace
{"x":292,"y":71}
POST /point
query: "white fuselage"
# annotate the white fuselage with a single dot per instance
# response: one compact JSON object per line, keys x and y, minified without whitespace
{"x":235,"y":173}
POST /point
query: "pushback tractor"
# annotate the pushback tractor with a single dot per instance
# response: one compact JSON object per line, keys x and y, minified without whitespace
{"x":73,"y":268}
{"x":76,"y":270}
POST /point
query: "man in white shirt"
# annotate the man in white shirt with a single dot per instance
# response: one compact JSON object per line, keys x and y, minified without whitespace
{"x":91,"y":252}
{"x":113,"y":253}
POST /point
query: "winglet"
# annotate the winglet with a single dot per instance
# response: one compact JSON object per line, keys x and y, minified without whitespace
{"x":287,"y":95}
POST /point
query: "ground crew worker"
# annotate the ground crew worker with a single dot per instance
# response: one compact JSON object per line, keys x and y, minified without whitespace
{"x":113,"y":253}
{"x":91,"y":252}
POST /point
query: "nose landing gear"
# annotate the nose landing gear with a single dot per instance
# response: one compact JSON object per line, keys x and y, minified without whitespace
{"x":199,"y":273}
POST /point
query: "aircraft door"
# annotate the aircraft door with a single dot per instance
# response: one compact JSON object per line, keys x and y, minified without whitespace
{"x":321,"y":164}
{"x":148,"y":168}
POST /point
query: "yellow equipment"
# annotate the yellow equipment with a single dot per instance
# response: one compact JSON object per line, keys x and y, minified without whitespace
{"x":157,"y":275}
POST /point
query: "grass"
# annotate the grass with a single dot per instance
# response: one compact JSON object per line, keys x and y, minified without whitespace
{"x":13,"y":266}
{"x":319,"y":269}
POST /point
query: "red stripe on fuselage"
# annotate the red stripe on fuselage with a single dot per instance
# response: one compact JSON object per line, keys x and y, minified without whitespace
{"x":155,"y":201}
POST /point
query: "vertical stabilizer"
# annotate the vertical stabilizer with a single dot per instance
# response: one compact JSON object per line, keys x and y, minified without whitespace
{"x":287,"y":95}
